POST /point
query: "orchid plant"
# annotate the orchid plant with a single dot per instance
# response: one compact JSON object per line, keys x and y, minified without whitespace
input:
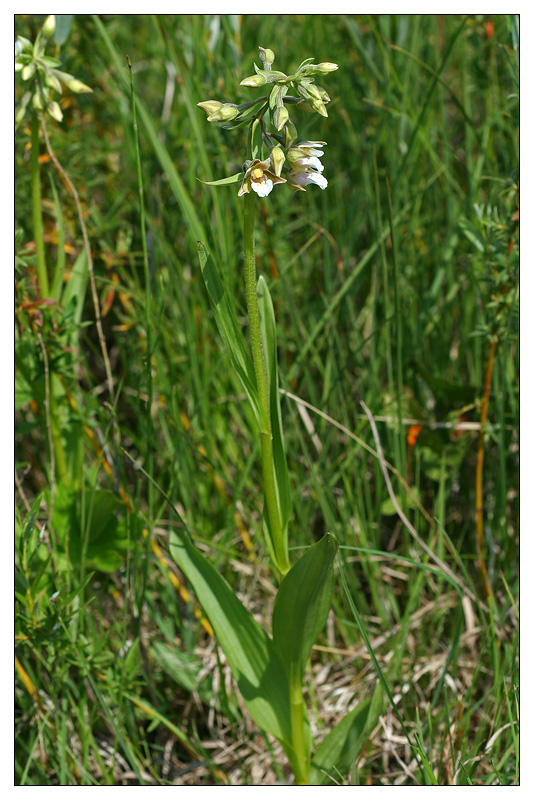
{"x":269,"y":669}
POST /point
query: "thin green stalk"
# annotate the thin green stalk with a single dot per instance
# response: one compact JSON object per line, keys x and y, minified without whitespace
{"x":281,"y":555}
{"x":398,"y":331}
{"x":300,"y":766}
{"x":42,"y":275}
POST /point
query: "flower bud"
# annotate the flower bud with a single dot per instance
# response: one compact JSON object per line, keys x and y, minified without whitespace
{"x":277,"y":157}
{"x":313,"y":91}
{"x":210,"y":106}
{"x":54,"y":110}
{"x":225,"y":113}
{"x":290,"y":133}
{"x":319,"y":106}
{"x":18,"y":66}
{"x":38,"y":101}
{"x":281,"y":116}
{"x":49,"y":28}
{"x":78,"y":87}
{"x":19,"y":116}
{"x":254,"y":81}
{"x":23,"y":45}
{"x":326,"y":66}
{"x":53,"y":83}
{"x":28,"y":72}
{"x":267,"y":57}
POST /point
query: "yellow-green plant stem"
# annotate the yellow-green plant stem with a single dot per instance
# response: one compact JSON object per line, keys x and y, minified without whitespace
{"x":279,"y":547}
{"x":42,"y":275}
{"x":300,"y":765}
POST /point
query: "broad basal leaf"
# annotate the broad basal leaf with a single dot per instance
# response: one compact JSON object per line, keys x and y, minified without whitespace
{"x":250,"y":652}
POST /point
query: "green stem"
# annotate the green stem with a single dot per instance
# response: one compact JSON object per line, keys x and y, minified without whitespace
{"x":279,"y":548}
{"x":300,"y":765}
{"x":36,"y":210}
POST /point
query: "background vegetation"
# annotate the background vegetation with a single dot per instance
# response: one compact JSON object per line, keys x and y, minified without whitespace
{"x":396,"y":286}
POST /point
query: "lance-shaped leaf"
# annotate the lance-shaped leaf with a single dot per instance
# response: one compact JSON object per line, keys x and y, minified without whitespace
{"x":237,"y":178}
{"x":229,"y":329}
{"x":250,"y":652}
{"x":302,"y":605}
{"x":342,"y":746}
{"x":268,"y":338}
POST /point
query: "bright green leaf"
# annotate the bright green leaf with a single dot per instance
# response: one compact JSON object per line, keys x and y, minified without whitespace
{"x":302,"y":605}
{"x":250,"y":652}
{"x":237,"y":178}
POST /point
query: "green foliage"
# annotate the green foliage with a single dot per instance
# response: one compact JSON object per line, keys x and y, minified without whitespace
{"x":254,"y":660}
{"x":302,"y":606}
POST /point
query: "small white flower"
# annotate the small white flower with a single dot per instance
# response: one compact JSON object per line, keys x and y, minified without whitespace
{"x":259,"y":178}
{"x":306,"y":167}
{"x":263,"y":186}
{"x":312,"y":162}
{"x":304,"y":177}
{"x":309,"y":149}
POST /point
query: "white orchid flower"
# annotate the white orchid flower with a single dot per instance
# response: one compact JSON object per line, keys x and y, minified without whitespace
{"x":306,"y":166}
{"x":259,"y":178}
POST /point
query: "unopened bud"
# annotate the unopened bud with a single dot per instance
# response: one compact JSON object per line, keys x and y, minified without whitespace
{"x":23,"y":44}
{"x":38,"y":101}
{"x":210,"y":106}
{"x":54,"y":110}
{"x":225,"y":113}
{"x":28,"y":72}
{"x":253,"y":81}
{"x":53,"y":83}
{"x":277,"y":159}
{"x":19,"y":116}
{"x":281,"y":116}
{"x":18,"y":66}
{"x":313,"y":91}
{"x":78,"y":87}
{"x":267,"y":57}
{"x":49,"y":28}
{"x":290,"y":132}
{"x":326,"y":66}
{"x":320,"y":107}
